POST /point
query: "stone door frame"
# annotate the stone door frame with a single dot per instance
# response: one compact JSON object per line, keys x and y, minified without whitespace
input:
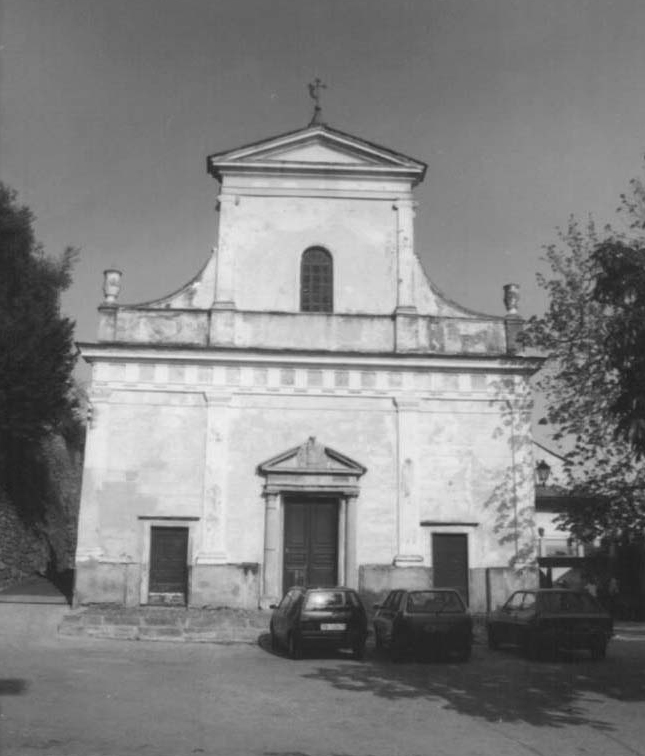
{"x":308,"y":470}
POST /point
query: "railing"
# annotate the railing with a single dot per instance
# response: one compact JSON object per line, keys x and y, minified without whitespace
{"x":559,"y":547}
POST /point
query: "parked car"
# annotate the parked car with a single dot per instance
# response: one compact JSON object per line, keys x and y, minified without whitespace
{"x":319,"y":618}
{"x":544,"y":620}
{"x":434,"y":622}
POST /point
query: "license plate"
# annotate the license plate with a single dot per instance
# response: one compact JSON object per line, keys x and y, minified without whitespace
{"x":332,"y":626}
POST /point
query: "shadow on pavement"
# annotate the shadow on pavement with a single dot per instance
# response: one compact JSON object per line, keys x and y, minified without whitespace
{"x":264,"y":642}
{"x":499,"y":686}
{"x":12,"y":686}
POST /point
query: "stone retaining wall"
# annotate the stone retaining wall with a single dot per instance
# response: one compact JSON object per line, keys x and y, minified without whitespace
{"x":22,"y":552}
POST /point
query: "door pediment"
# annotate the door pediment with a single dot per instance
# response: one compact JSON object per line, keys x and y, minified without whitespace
{"x":311,"y":467}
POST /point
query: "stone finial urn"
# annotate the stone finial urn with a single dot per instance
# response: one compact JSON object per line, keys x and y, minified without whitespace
{"x":511,"y":298}
{"x":111,"y":285}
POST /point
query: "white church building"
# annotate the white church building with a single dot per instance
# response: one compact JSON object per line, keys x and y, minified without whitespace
{"x":309,"y":408}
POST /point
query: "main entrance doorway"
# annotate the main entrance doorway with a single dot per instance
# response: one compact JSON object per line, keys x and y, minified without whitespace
{"x":310,"y":541}
{"x":450,"y":562}
{"x":168,"y":565}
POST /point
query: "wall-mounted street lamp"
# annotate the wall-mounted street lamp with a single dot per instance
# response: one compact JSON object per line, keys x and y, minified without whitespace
{"x":542,"y":470}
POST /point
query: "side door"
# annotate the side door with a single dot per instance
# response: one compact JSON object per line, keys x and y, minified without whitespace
{"x":168,"y":577}
{"x":450,"y":562}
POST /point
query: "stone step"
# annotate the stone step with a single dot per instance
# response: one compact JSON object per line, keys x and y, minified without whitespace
{"x":167,"y":624}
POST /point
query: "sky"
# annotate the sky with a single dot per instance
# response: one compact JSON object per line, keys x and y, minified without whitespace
{"x":525,"y":111}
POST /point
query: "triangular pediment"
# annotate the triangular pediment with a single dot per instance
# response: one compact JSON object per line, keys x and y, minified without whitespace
{"x":317,"y":150}
{"x":314,"y":458}
{"x":315,"y":147}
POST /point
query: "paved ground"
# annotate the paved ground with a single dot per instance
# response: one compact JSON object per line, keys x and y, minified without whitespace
{"x":74,"y":696}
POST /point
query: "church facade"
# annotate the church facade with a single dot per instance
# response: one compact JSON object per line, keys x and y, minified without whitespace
{"x":309,"y":409}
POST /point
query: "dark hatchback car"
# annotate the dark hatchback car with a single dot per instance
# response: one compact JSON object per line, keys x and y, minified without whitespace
{"x":319,"y":618}
{"x":430,"y":622}
{"x":544,"y":620}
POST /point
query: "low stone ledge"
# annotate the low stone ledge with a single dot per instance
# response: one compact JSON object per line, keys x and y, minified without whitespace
{"x":118,"y":632}
{"x":120,"y":619}
{"x":70,"y":629}
{"x":155,"y":623}
{"x":92,"y":619}
{"x":160,"y":632}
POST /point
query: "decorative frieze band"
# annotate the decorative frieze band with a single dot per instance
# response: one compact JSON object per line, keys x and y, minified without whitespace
{"x":250,"y":378}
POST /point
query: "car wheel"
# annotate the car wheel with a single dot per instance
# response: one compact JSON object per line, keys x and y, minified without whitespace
{"x":274,"y":640}
{"x":294,"y":647}
{"x":598,"y":648}
{"x":493,"y":642}
{"x":465,"y":653}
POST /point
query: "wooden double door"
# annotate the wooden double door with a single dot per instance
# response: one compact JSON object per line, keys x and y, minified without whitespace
{"x":310,"y":542}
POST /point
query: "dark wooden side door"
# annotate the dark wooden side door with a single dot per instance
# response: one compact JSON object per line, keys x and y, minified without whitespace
{"x":169,"y":562}
{"x":310,"y":542}
{"x":450,"y":562}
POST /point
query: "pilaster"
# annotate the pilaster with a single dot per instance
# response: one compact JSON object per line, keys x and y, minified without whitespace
{"x":96,"y":450}
{"x":212,"y":549}
{"x":271,"y":568}
{"x":225,"y":275}
{"x":405,"y":302}
{"x":408,"y":530}
{"x":351,"y":562}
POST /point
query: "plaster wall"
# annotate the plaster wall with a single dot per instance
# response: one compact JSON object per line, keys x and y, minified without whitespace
{"x":461,"y":470}
{"x":471,"y":470}
{"x":269,"y":234}
{"x":363,"y":429}
{"x":151,"y":465}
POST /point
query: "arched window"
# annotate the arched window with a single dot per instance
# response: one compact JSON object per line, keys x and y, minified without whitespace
{"x":316,"y":281}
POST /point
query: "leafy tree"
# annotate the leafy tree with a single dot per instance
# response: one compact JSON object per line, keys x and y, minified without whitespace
{"x":593,"y":334}
{"x":37,"y":355}
{"x":620,"y":287}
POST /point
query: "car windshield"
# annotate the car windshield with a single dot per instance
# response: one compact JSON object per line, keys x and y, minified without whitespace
{"x":434,"y":601}
{"x":318,"y":600}
{"x":562,"y":601}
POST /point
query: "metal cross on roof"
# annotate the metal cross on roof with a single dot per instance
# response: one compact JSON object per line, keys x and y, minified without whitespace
{"x":314,"y":93}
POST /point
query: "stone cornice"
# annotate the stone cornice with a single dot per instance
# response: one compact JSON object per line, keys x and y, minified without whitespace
{"x":106,"y":352}
{"x":267,"y":168}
